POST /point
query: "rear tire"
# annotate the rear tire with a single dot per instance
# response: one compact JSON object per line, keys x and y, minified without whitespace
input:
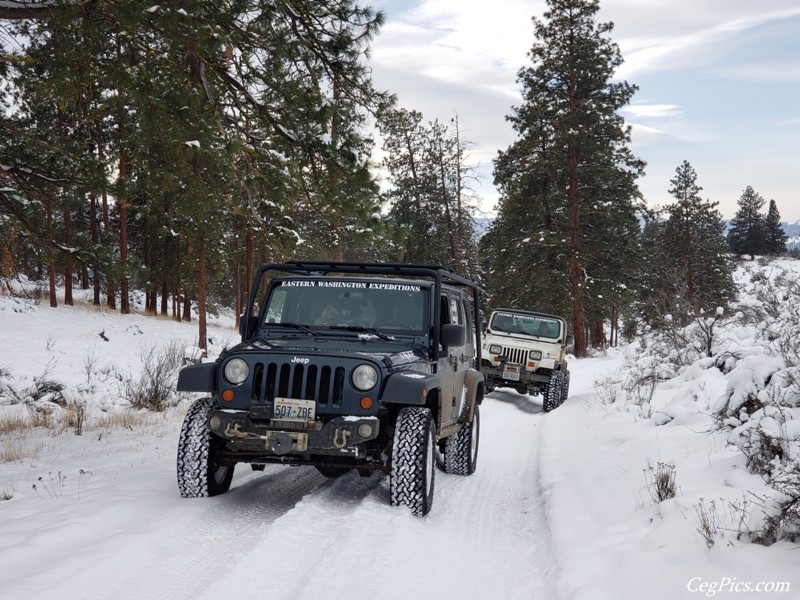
{"x":413,"y":460}
{"x":200,"y":472}
{"x":461,"y":449}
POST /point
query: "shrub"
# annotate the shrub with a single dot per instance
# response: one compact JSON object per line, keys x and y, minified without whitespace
{"x":155,"y":387}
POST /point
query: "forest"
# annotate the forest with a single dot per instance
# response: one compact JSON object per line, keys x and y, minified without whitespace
{"x":170,"y":150}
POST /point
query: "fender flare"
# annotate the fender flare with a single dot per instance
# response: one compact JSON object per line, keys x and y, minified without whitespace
{"x":409,"y":387}
{"x":474,"y":382}
{"x":197,"y":378}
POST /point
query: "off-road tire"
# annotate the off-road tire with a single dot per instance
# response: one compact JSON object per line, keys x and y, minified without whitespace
{"x":553,"y":391}
{"x":413,"y":460}
{"x":200,"y":473}
{"x":461,"y":449}
{"x":566,"y":386}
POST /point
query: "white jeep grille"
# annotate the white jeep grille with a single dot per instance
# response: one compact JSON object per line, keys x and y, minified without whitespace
{"x":514,"y":356}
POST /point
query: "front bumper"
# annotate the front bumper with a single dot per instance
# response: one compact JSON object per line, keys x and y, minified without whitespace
{"x":340,"y":436}
{"x":514,"y":373}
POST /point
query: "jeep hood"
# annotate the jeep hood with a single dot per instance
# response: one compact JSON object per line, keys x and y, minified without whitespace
{"x":397,"y":352}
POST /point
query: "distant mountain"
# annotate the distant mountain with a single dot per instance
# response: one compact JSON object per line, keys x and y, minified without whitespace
{"x":482,"y":224}
{"x":793,"y":231}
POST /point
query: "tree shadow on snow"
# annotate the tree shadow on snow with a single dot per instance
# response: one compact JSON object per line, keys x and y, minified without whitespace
{"x":524,"y":402}
{"x":277,"y":489}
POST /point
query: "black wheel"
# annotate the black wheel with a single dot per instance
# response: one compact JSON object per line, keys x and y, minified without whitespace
{"x":413,"y":460}
{"x":461,"y":449}
{"x":332,"y":472}
{"x":200,"y":472}
{"x":553,"y":390}
{"x":566,"y":387}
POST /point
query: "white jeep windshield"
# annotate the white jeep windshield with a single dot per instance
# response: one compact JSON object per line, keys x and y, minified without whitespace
{"x":526,"y":324}
{"x":380,"y":305}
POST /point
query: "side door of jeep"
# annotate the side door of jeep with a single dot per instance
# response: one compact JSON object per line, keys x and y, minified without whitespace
{"x":455,"y":360}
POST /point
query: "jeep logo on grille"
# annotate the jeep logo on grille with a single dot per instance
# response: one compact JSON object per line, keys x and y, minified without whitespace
{"x":301,"y":360}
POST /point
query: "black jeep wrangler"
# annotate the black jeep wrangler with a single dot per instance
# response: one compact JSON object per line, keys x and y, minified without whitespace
{"x":342,"y":366}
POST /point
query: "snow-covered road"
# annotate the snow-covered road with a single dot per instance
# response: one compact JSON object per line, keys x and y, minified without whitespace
{"x":120,"y":530}
{"x":558,"y":509}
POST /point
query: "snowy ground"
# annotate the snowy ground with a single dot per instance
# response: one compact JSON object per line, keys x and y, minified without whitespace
{"x":559,"y":508}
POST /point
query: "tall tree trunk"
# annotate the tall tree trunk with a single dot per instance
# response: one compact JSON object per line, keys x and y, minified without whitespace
{"x":122,"y":203}
{"x":459,"y":207}
{"x":187,"y":306}
{"x":248,"y":276}
{"x":84,"y":266}
{"x":68,"y":273}
{"x":202,"y":334}
{"x":122,"y":200}
{"x":7,"y":269}
{"x":599,"y":335}
{"x":164,"y":293}
{"x":93,"y":226}
{"x":576,"y":267}
{"x":51,"y":267}
{"x":446,"y":203}
{"x":111,"y":300}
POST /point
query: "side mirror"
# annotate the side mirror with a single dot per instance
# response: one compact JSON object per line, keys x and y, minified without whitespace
{"x":452,"y":335}
{"x":247,"y":323}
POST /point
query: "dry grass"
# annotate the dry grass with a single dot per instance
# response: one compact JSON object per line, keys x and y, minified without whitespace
{"x":25,"y":435}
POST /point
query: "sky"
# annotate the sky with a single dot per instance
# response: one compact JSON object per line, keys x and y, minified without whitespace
{"x":719,"y":85}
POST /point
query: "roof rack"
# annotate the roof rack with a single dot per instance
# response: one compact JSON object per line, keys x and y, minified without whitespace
{"x":437,"y":272}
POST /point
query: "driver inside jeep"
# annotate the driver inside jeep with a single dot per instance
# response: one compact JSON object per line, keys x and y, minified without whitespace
{"x":330,"y":313}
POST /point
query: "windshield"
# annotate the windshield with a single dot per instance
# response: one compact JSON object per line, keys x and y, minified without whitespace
{"x":526,"y":324}
{"x":350,"y":304}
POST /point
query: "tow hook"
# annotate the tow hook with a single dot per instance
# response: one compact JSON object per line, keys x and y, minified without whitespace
{"x":234,"y":430}
{"x":340,"y":437}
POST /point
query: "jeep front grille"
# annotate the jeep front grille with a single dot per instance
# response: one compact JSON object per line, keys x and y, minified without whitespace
{"x":294,"y":380}
{"x":515,"y":356}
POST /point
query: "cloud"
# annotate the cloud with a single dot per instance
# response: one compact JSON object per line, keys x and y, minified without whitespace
{"x":649,"y":49}
{"x":654,"y":111}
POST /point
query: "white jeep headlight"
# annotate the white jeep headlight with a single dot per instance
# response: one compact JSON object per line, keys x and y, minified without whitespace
{"x":236,"y":371}
{"x":495,"y":349}
{"x":364,"y":377}
{"x":535,"y":354}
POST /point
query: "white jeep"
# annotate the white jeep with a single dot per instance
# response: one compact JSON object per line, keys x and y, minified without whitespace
{"x":527,"y":351}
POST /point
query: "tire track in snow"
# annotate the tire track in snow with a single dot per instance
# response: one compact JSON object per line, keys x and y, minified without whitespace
{"x":486,"y":536}
{"x":186,"y":549}
{"x":290,"y":533}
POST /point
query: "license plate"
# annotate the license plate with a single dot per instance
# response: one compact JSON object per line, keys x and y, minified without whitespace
{"x":293,"y":409}
{"x":511,"y":372}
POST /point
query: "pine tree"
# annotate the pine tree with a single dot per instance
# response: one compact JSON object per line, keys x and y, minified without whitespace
{"x":566,"y":239}
{"x":774,"y":235}
{"x":432,"y":210}
{"x":694,"y":250}
{"x":212,"y":114}
{"x":746,"y":234}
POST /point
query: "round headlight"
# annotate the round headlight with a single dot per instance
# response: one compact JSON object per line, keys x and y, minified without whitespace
{"x":236,"y":371}
{"x":535,"y":355}
{"x":495,"y":349}
{"x":364,"y":377}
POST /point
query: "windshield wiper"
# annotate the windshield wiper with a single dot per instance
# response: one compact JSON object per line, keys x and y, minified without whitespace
{"x":302,"y":328}
{"x":362,"y":329}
